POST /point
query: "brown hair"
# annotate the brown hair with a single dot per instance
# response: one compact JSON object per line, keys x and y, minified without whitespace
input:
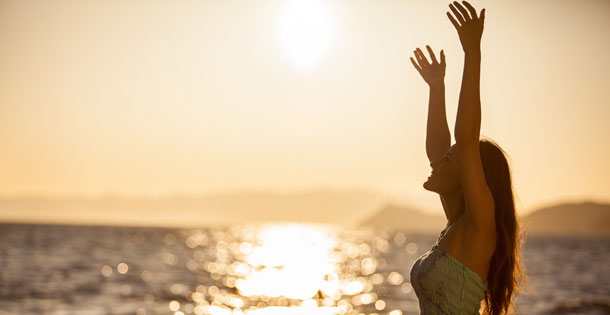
{"x":505,"y":271}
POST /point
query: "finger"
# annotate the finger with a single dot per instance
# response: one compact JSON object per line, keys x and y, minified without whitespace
{"x":418,"y":58}
{"x":454,"y":22}
{"x":471,"y":9}
{"x":422,"y":57}
{"x":482,"y":16}
{"x":432,"y":56}
{"x":457,"y":14}
{"x":462,"y":11}
{"x":442,"y":57}
{"x":417,"y":67}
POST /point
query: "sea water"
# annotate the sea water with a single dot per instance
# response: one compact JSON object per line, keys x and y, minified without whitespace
{"x":263,"y":269}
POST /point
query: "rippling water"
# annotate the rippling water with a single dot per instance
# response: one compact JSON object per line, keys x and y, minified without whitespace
{"x":262,"y":270}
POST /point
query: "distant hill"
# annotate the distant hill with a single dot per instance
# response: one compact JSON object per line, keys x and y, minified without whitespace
{"x":586,"y":218}
{"x":341,"y":207}
{"x":405,"y":219}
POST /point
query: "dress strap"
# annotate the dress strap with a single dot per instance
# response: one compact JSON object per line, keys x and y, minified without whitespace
{"x":440,"y":237}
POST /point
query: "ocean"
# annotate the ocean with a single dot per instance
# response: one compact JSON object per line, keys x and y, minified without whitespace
{"x":263,"y":269}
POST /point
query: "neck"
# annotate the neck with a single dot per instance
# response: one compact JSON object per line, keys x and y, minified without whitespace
{"x":454,"y":206}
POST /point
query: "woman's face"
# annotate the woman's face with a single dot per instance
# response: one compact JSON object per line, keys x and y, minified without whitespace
{"x":445,"y":176}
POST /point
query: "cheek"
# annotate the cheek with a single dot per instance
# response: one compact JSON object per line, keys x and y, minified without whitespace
{"x":449,"y":176}
{"x":448,"y":173}
{"x":455,"y":176}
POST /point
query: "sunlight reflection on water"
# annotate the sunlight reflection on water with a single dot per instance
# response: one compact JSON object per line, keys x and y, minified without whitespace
{"x":257,"y":269}
{"x":288,"y":269}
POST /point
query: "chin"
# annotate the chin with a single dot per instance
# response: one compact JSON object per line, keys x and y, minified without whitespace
{"x":432,"y":184}
{"x":429,"y":186}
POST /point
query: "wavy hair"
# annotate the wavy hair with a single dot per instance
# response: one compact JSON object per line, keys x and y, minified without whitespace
{"x":506,"y":273}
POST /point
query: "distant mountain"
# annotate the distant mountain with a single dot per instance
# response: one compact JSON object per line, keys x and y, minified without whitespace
{"x":405,"y":219}
{"x":564,"y":219}
{"x":342,"y":207}
{"x":586,"y":218}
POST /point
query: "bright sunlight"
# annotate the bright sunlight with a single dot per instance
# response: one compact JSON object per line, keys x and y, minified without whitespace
{"x":305,"y":31}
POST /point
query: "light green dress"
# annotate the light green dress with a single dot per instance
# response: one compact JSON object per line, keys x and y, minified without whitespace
{"x":443,"y":285}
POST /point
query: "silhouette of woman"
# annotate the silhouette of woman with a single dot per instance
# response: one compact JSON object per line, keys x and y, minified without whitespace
{"x":476,"y":256}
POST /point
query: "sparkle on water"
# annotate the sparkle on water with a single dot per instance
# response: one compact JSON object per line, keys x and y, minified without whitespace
{"x":280,"y":269}
{"x":122,"y":268}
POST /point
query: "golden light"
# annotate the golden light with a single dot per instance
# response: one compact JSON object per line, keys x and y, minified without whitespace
{"x":174,"y":305}
{"x":106,"y":271}
{"x":301,"y":310}
{"x":305,"y":31}
{"x":289,"y":254}
{"x":286,"y":269}
{"x":122,"y":268}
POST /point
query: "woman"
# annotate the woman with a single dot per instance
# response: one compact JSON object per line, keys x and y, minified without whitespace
{"x":477,"y":255}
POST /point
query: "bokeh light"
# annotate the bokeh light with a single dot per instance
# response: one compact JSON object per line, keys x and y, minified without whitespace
{"x":122,"y":268}
{"x":277,"y":269}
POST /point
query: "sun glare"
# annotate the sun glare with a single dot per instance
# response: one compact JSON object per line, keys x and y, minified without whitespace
{"x":305,"y":31}
{"x":287,"y":256}
{"x":291,"y":269}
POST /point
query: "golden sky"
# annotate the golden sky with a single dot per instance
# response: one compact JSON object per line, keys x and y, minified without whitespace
{"x":162,"y":97}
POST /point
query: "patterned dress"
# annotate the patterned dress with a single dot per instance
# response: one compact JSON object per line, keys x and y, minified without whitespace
{"x":443,"y":284}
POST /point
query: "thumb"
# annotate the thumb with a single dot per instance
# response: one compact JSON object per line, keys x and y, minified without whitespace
{"x":442,"y":57}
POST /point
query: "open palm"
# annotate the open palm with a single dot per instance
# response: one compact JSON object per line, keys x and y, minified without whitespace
{"x":432,"y":72}
{"x":468,"y":24}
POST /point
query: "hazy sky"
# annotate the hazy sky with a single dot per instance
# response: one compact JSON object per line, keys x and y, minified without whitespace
{"x":162,"y":97}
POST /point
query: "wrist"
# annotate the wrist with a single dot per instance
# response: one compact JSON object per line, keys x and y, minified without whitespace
{"x":473,"y":54}
{"x":437,"y":85}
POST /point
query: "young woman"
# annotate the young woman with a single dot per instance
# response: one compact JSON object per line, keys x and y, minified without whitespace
{"x":477,"y":255}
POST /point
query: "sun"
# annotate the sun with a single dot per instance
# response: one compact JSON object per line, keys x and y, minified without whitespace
{"x":305,"y":31}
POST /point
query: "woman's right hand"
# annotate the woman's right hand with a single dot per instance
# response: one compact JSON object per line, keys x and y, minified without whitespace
{"x":468,"y":24}
{"x":433,"y":73}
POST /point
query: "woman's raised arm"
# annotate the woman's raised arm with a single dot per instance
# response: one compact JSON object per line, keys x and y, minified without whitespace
{"x":438,"y":138}
{"x":470,"y":29}
{"x":479,"y":200}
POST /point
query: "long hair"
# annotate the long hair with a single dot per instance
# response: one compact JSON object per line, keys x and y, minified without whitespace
{"x":505,"y":271}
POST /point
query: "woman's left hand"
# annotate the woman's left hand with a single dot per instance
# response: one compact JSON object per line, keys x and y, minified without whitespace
{"x":432,"y":72}
{"x":468,"y":25}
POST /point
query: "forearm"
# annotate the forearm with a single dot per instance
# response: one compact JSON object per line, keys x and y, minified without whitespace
{"x":438,"y":137}
{"x":468,"y":121}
